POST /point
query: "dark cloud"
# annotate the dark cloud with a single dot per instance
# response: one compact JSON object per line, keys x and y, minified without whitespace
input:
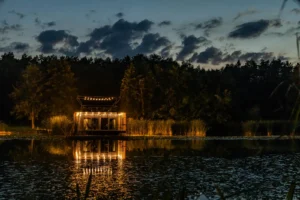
{"x":18,"y":47}
{"x":211,"y":54}
{"x":215,"y":56}
{"x":256,"y":56}
{"x":252,"y":29}
{"x":289,"y":32}
{"x":296,"y":11}
{"x":164,"y":23}
{"x":5,"y":27}
{"x":165,"y":52}
{"x":152,"y":42}
{"x":20,"y":15}
{"x":117,"y":40}
{"x":245,"y":13}
{"x":208,"y":25}
{"x":264,"y":49}
{"x":86,"y":47}
{"x":50,"y":38}
{"x":4,"y":39}
{"x":99,"y":33}
{"x":88,"y":15}
{"x":120,"y":15}
{"x":190,"y":44}
{"x":38,"y":23}
{"x":50,"y":24}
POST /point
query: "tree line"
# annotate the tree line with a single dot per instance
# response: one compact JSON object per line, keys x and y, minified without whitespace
{"x":150,"y":88}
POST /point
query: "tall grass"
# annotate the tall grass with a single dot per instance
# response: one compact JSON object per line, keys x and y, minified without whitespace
{"x":250,"y":128}
{"x":269,"y":128}
{"x":165,"y":127}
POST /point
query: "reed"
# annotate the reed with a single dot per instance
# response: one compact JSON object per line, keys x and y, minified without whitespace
{"x":197,"y":128}
{"x":269,"y":127}
{"x":250,"y":128}
{"x":165,"y":127}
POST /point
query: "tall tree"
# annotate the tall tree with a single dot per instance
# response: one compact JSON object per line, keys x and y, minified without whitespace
{"x":28,"y":94}
{"x":60,"y":91}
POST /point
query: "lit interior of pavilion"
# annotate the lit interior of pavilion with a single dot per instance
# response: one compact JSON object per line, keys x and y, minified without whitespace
{"x":99,"y":114}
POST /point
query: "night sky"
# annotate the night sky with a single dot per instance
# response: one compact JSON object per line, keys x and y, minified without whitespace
{"x":206,"y":32}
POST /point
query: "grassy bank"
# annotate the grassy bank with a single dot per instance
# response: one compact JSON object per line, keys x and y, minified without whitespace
{"x":4,"y":128}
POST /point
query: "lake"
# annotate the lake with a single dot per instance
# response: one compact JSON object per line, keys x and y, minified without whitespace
{"x":148,"y":168}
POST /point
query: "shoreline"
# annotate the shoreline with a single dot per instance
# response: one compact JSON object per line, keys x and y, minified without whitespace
{"x":159,"y":137}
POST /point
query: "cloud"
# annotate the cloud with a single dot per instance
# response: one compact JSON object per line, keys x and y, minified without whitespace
{"x":256,"y":56}
{"x":211,"y":54}
{"x":4,"y":39}
{"x":38,"y":22}
{"x":165,"y":52}
{"x":152,"y":42}
{"x":88,"y":15}
{"x":296,"y":11}
{"x":50,"y":38}
{"x":117,"y":40}
{"x":120,"y":15}
{"x":20,"y":15}
{"x":245,"y":13}
{"x":215,"y":56}
{"x":18,"y":47}
{"x":5,"y":27}
{"x":164,"y":23}
{"x":290,"y":31}
{"x":208,"y":25}
{"x":190,"y":44}
{"x":252,"y":29}
{"x":50,"y":24}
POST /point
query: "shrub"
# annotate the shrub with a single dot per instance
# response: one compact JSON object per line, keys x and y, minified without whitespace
{"x":3,"y":126}
{"x":59,"y":124}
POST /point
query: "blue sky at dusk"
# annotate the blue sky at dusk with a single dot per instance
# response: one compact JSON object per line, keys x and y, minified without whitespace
{"x":206,"y":32}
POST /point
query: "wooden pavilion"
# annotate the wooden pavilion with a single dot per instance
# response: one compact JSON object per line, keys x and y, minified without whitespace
{"x":99,"y":115}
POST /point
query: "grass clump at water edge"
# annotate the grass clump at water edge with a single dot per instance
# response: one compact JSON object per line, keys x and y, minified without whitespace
{"x":165,"y":127}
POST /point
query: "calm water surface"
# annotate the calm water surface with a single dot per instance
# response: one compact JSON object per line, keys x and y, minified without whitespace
{"x":148,"y":169}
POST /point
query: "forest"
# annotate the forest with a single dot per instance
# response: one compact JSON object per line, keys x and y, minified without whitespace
{"x":152,"y":88}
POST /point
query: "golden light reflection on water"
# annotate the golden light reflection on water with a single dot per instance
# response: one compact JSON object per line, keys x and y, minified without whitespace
{"x":95,"y":156}
{"x":102,"y":159}
{"x":99,"y":150}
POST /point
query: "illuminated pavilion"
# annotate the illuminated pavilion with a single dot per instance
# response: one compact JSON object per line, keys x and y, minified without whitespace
{"x":99,"y":115}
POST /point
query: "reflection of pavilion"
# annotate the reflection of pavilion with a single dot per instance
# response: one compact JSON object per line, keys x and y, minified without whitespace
{"x":99,"y":149}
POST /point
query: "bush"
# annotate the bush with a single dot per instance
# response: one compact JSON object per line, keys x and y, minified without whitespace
{"x":3,"y":126}
{"x":59,"y":124}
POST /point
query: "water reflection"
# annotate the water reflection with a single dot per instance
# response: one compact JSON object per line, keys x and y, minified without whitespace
{"x":132,"y":169}
{"x":99,"y":149}
{"x":97,"y":157}
{"x":103,"y":159}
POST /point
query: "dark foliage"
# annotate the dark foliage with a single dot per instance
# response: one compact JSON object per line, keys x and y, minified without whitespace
{"x":157,"y":88}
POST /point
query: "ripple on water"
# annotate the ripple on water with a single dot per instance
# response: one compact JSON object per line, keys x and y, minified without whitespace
{"x":265,"y":177}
